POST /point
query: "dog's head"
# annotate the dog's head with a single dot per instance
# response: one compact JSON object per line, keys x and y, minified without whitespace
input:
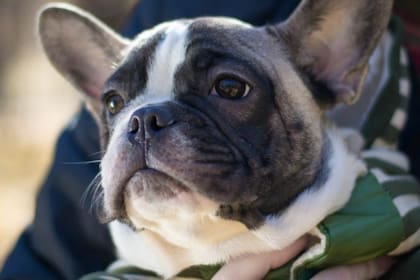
{"x":213,"y":116}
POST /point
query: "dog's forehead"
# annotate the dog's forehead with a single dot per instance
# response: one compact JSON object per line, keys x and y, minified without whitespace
{"x":154,"y":56}
{"x":201,"y":25}
{"x":167,"y":35}
{"x":226,"y":23}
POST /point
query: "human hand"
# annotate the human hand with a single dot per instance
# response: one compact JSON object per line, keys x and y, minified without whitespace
{"x":361,"y":271}
{"x":255,"y":267}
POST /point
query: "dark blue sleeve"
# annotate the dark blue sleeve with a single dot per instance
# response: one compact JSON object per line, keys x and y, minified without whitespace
{"x":64,"y":241}
{"x":410,"y":136}
{"x":257,"y":12}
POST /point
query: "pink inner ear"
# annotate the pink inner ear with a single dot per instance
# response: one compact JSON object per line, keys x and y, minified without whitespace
{"x":93,"y":90}
{"x":334,"y":59}
{"x":334,"y":56}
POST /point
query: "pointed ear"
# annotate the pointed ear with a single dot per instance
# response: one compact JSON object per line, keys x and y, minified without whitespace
{"x":331,"y":41}
{"x":81,"y":48}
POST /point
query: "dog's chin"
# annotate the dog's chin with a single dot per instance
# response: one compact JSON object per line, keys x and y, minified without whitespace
{"x":153,"y":186}
{"x":151,"y":195}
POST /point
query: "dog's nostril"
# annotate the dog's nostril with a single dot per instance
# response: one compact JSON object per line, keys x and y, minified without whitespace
{"x":157,"y":122}
{"x":154,"y":123}
{"x":146,"y":122}
{"x":134,"y":125}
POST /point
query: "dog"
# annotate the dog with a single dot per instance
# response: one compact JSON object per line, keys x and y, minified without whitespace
{"x":215,"y":136}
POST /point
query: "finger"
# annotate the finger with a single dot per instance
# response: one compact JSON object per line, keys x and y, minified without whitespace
{"x":362,"y":271}
{"x":278,"y":258}
{"x":256,"y":266}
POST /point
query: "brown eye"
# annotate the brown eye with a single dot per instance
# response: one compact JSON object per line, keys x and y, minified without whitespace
{"x":113,"y":102}
{"x":230,"y":88}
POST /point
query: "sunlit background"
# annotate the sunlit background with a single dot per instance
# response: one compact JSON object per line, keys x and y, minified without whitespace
{"x":35,"y":105}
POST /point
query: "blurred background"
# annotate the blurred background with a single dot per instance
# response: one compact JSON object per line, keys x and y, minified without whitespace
{"x":35,"y":105}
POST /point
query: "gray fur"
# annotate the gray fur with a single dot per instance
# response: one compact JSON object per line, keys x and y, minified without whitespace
{"x":81,"y":48}
{"x":332,"y":42}
{"x":255,"y":155}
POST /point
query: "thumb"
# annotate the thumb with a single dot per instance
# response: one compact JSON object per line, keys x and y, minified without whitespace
{"x":256,"y":266}
{"x":361,"y":271}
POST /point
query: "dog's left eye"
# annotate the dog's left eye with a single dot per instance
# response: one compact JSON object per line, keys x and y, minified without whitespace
{"x":230,"y":88}
{"x":113,"y":102}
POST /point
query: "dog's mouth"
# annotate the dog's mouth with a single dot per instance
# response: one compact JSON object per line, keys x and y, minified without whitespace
{"x":146,"y":184}
{"x":153,"y":185}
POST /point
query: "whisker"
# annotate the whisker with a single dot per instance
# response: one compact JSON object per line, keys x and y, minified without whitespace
{"x":80,"y":162}
{"x":97,"y":198}
{"x":91,"y":190}
{"x":101,"y":153}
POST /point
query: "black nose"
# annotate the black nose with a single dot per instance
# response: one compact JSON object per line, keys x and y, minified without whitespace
{"x":146,"y":122}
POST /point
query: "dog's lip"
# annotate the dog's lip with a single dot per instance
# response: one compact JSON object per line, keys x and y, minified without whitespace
{"x":177,"y":188}
{"x":118,"y":211}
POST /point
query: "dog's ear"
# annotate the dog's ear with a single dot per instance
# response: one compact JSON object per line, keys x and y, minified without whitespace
{"x":331,"y":41}
{"x":81,"y":47}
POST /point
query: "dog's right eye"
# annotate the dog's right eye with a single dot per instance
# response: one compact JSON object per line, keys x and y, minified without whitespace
{"x":113,"y":102}
{"x":230,"y":88}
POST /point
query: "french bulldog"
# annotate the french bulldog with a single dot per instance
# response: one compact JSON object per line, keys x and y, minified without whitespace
{"x":214,"y":131}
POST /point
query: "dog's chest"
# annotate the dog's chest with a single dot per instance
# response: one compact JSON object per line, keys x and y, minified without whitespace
{"x":171,"y":246}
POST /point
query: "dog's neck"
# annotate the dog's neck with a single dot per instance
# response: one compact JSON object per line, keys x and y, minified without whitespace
{"x":216,"y":240}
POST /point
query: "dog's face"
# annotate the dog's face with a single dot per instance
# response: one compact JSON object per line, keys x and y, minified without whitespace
{"x":195,"y":121}
{"x":211,"y":116}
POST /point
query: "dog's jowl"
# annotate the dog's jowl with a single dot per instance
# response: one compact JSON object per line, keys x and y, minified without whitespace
{"x":214,"y":131}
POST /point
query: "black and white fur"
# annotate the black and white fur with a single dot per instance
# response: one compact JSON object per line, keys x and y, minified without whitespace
{"x":190,"y":177}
